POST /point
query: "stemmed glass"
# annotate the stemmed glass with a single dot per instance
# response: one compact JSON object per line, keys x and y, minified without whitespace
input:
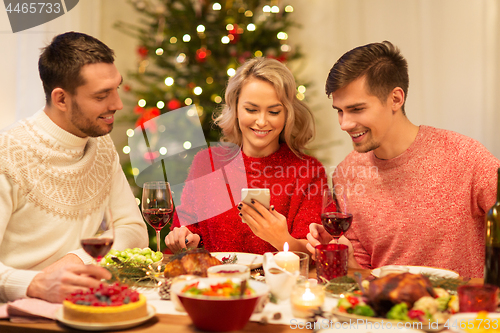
{"x":335,"y":220}
{"x":99,"y":244}
{"x":157,"y":206}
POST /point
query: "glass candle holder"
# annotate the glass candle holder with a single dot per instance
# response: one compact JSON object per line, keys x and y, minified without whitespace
{"x":475,"y":298}
{"x":306,"y":297}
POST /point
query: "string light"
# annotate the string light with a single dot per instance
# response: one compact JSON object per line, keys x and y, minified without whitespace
{"x":251,"y":27}
{"x":258,"y":53}
{"x":300,"y":96}
{"x":142,"y":103}
{"x":282,"y":35}
{"x":163,"y":150}
{"x":130,"y":132}
{"x":209,"y":80}
{"x":173,"y":40}
{"x":266,"y":9}
{"x":218,"y":99}
{"x":289,"y":9}
{"x":225,"y":40}
{"x":229,"y":27}
{"x":275,"y":9}
{"x":126,"y":150}
{"x":169,"y":81}
{"x":186,"y":38}
{"x":301,"y":89}
{"x":135,"y":171}
{"x":285,"y":48}
{"x":216,"y":6}
{"x":200,"y":28}
{"x":180,"y":58}
{"x":248,"y":13}
{"x":138,"y":201}
{"x":188,"y":101}
{"x":197,"y":91}
{"x":186,"y":145}
{"x":159,"y":51}
{"x":191,"y":112}
{"x":160,"y":105}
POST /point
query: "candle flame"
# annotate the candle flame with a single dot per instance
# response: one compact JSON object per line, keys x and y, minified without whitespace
{"x":285,"y":247}
{"x":308,"y":295}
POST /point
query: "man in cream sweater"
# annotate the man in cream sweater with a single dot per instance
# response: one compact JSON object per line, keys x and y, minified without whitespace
{"x":59,"y":170}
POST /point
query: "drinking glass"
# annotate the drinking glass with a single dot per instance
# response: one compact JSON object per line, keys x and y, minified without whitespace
{"x":157,"y":206}
{"x":335,"y":220}
{"x":99,"y":244}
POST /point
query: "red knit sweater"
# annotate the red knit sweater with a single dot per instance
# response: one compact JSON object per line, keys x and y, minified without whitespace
{"x":425,"y":207}
{"x":295,"y":184}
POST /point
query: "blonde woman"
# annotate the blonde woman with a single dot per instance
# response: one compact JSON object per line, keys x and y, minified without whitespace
{"x":263,"y":117}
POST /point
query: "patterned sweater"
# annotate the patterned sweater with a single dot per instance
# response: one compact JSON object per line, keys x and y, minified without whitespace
{"x":425,"y":207}
{"x":53,"y":187}
{"x":296,"y":192}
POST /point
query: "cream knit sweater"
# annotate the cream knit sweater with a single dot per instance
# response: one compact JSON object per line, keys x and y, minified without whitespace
{"x":53,"y":188}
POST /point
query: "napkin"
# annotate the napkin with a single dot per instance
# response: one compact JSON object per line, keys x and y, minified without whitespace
{"x":29,"y":310}
{"x":280,"y":283}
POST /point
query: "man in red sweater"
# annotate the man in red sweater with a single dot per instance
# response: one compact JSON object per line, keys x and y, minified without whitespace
{"x":418,"y":194}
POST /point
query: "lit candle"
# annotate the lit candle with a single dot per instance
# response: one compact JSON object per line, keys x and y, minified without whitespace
{"x":305,"y":299}
{"x":287,"y":260}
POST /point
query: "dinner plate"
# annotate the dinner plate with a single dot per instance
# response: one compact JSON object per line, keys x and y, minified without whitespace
{"x":248,"y":259}
{"x":463,"y":319}
{"x":105,"y":326}
{"x":382,"y":324}
{"x":444,"y":273}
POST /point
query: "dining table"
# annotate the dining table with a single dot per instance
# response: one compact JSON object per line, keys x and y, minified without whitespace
{"x":162,"y":323}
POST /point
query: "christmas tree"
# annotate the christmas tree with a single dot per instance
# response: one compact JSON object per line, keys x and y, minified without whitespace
{"x":188,"y":49}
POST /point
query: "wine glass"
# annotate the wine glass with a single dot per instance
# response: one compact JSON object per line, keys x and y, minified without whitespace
{"x":335,"y":220}
{"x":99,"y":244}
{"x":157,"y":206}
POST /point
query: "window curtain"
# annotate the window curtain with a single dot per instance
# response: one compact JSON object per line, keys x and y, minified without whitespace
{"x":21,"y":90}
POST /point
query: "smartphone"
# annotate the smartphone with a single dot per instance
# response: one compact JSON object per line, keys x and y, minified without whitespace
{"x":262,"y":195}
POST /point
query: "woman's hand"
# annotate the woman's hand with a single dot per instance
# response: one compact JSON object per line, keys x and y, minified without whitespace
{"x":268,"y":225}
{"x":176,"y":239}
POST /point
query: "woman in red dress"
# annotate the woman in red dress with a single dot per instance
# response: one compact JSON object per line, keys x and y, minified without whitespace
{"x":270,"y":127}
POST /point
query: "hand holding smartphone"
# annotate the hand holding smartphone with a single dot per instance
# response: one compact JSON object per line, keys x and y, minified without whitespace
{"x":262,"y":195}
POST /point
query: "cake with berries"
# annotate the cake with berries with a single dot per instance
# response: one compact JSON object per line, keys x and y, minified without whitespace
{"x":106,"y":304}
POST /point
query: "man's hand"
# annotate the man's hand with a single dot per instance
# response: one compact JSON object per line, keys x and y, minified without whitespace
{"x":317,"y":235}
{"x":60,"y":279}
{"x":176,"y":239}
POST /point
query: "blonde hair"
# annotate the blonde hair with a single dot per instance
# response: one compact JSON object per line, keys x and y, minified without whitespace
{"x":299,"y":124}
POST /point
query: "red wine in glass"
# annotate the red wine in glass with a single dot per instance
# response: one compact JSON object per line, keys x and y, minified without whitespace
{"x":157,"y":206}
{"x":157,"y":217}
{"x":97,"y":248}
{"x":336,"y":223}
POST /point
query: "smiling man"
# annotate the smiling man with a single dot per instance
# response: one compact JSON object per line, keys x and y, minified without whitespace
{"x":59,"y":171}
{"x":426,"y":202}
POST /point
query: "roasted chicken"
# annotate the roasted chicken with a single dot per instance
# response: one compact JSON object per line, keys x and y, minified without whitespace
{"x":396,"y":288}
{"x":193,"y":262}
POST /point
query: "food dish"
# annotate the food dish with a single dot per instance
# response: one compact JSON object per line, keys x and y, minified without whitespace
{"x":365,"y":322}
{"x":105,"y":326}
{"x":445,"y":273}
{"x":248,"y":259}
{"x":456,"y":319}
{"x":106,"y":304}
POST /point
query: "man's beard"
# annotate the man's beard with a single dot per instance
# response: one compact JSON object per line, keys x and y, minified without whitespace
{"x":85,"y":125}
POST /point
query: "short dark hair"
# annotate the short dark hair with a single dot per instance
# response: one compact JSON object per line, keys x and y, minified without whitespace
{"x":383,"y":65}
{"x":61,"y":61}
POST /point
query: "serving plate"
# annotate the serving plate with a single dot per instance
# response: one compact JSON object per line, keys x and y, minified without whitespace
{"x":439,"y":272}
{"x":105,"y":326}
{"x":248,"y":259}
{"x":469,"y":318}
{"x":382,"y":324}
